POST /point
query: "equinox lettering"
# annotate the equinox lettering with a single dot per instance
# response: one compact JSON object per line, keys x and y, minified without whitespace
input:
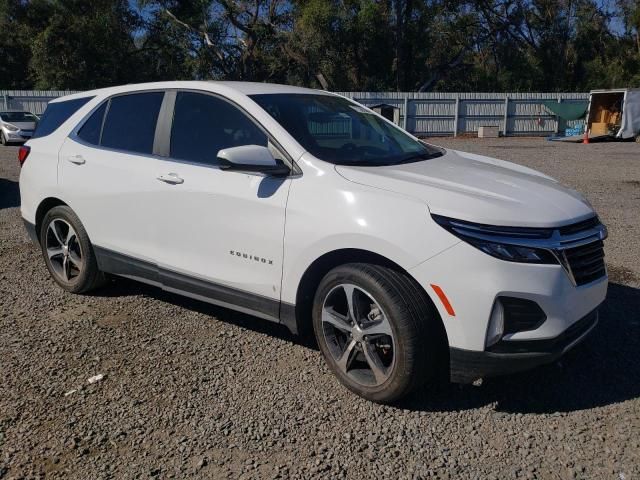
{"x":251,"y":257}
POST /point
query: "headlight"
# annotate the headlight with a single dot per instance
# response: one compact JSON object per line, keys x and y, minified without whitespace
{"x":11,"y":128}
{"x":513,"y":244}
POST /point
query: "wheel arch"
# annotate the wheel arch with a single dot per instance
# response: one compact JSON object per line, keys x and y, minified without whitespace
{"x":44,"y":206}
{"x":299,"y":320}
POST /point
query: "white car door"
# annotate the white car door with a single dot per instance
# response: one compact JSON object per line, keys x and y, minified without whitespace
{"x":221,"y":233}
{"x":108,"y":175}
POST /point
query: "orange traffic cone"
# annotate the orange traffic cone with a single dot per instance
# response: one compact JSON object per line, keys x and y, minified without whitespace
{"x":585,"y":140}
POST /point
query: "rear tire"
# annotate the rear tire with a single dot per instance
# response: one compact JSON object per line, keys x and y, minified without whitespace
{"x":387,"y":340}
{"x":67,"y":251}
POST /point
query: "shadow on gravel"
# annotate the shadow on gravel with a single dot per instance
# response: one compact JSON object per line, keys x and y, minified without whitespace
{"x":124,"y":287}
{"x":9,"y":194}
{"x":602,"y":370}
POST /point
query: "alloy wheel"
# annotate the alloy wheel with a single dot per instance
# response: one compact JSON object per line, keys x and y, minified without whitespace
{"x":358,"y":335}
{"x":64,"y":250}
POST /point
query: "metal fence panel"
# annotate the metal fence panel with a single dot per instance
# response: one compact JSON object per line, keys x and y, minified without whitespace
{"x":34,"y":101}
{"x":432,"y":113}
{"x":437,"y":113}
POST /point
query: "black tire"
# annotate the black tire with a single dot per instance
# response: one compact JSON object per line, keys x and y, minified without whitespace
{"x":3,"y":140}
{"x":415,"y":324}
{"x":89,"y":276}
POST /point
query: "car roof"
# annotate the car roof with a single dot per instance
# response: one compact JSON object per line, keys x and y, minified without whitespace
{"x":244,"y":88}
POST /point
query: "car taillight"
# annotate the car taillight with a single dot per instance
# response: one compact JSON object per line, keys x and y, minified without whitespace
{"x":23,"y":153}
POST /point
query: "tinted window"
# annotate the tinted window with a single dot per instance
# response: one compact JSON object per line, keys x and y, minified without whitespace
{"x":130,"y":123}
{"x":339,"y":131}
{"x":204,"y":124}
{"x":18,"y":117}
{"x":56,"y":114}
{"x":90,"y":131}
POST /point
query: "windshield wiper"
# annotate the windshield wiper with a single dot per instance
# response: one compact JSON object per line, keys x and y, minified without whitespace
{"x":418,"y":156}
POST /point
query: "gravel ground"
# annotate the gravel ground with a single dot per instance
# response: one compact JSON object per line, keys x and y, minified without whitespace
{"x":191,"y":390}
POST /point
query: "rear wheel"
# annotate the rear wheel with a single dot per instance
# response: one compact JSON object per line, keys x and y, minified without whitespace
{"x":377,"y":331}
{"x":67,"y":251}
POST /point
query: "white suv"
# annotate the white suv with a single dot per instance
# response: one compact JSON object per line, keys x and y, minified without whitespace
{"x":305,"y":208}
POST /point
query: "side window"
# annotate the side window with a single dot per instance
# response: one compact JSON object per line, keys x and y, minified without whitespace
{"x":56,"y":114}
{"x":130,"y":123}
{"x":90,"y":131}
{"x":204,"y":124}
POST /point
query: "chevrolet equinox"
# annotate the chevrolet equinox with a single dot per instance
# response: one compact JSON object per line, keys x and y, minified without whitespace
{"x":306,"y":208}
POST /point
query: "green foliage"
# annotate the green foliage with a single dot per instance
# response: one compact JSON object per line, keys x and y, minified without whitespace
{"x":446,"y":45}
{"x":85,"y":45}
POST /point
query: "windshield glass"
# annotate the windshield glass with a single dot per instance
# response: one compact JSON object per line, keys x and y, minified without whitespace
{"x":341,"y":132}
{"x":18,"y":117}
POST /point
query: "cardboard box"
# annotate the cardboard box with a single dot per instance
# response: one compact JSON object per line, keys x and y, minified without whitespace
{"x":599,"y":128}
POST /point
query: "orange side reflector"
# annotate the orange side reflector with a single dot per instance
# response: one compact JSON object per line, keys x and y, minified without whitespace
{"x":443,"y":298}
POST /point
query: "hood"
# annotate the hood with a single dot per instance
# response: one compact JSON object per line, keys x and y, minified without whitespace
{"x":478,"y":189}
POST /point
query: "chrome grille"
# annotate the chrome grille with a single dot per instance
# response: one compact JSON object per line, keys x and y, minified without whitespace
{"x":586,"y":262}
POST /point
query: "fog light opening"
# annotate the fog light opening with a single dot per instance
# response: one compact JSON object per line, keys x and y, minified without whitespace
{"x":495,"y":330}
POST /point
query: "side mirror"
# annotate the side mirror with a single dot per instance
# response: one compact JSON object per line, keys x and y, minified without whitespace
{"x":251,"y":158}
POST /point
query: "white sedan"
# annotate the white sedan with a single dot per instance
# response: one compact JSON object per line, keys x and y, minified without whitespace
{"x":16,"y":127}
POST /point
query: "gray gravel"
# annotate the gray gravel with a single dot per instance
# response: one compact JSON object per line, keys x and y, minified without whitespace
{"x":193,"y":390}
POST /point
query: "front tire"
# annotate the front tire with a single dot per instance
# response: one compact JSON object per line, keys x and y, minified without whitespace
{"x":377,"y":330}
{"x":67,"y":251}
{"x":3,"y":140}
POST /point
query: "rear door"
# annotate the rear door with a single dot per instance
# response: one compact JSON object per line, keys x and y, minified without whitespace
{"x":108,"y":172}
{"x":221,"y":232}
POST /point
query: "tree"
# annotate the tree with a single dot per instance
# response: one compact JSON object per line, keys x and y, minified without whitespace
{"x":14,"y":46}
{"x":86,"y":45}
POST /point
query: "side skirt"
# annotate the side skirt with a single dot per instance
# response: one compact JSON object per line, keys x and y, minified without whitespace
{"x":196,"y":288}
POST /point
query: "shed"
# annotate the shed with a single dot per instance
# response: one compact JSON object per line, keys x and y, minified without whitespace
{"x":614,"y":113}
{"x":389,"y":112}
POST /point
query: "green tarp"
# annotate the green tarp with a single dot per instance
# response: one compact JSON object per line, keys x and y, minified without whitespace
{"x":566,"y":110}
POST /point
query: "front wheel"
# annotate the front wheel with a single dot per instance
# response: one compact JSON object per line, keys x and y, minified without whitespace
{"x":3,"y":140}
{"x":378,"y":332}
{"x":67,"y":251}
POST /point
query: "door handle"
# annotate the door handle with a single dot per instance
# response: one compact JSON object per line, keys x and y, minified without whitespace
{"x":77,"y":159}
{"x":171,"y":178}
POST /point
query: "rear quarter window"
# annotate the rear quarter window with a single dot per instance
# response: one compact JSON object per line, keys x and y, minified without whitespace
{"x":56,"y":114}
{"x":90,"y":131}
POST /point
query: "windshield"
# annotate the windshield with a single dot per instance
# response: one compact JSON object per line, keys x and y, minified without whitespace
{"x":341,"y":132}
{"x":18,"y":117}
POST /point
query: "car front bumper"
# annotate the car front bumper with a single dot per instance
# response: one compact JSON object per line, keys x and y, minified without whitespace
{"x":504,"y":358}
{"x":471,"y":281}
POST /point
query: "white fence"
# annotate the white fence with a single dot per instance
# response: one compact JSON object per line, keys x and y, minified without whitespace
{"x":425,"y":114}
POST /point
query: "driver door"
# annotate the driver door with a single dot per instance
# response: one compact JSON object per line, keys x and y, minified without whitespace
{"x":221,"y":232}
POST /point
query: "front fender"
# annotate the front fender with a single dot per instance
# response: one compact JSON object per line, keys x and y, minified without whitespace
{"x":326,"y":212}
